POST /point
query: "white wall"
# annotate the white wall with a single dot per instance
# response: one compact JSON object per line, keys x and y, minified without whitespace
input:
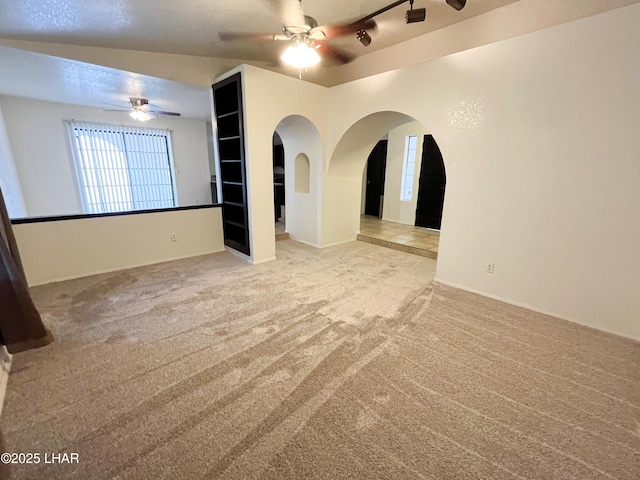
{"x":64,"y":249}
{"x":299,"y":135}
{"x":538,"y":137}
{"x":210,"y":152}
{"x":9,"y":183}
{"x":396,"y":210}
{"x":38,"y":141}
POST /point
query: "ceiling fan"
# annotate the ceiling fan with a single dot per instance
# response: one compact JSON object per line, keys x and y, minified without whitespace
{"x":307,"y":40}
{"x":142,"y":112}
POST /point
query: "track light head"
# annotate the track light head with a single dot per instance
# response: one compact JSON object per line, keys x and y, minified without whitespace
{"x":457,"y":4}
{"x":363,"y":37}
{"x":417,"y":15}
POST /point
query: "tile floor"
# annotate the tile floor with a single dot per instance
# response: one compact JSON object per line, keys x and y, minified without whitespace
{"x":280,"y":227}
{"x":407,"y":238}
{"x":281,"y":233}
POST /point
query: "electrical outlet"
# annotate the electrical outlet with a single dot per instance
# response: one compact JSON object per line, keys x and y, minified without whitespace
{"x":174,"y":237}
{"x":490,"y":267}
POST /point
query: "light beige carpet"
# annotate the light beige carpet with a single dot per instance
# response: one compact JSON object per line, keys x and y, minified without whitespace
{"x":339,"y":363}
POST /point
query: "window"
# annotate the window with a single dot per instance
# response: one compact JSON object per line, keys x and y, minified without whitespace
{"x":122,"y":168}
{"x":408,"y":168}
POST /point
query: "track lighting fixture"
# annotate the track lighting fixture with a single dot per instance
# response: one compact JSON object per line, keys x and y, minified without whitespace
{"x":417,"y":15}
{"x":457,"y":4}
{"x":363,"y":37}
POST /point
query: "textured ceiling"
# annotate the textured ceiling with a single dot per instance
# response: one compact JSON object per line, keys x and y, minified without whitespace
{"x":42,"y":77}
{"x":137,"y":35}
{"x":186,"y":28}
{"x":192,"y":27}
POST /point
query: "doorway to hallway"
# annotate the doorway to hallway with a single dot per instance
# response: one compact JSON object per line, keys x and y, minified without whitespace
{"x":376,"y":167}
{"x":431,"y":186}
{"x":279,"y":187}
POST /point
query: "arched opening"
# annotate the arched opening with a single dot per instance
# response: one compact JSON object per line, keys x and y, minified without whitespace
{"x":302,"y":148}
{"x":396,"y":207}
{"x":410,"y":212}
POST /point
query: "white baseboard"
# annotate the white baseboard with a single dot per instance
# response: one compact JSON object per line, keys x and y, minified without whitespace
{"x":238,"y":254}
{"x":334,"y":244}
{"x":537,"y":310}
{"x":304,"y":242}
{"x":264,"y":260}
{"x":5,"y":366}
{"x":122,"y":267}
{"x":315,"y":245}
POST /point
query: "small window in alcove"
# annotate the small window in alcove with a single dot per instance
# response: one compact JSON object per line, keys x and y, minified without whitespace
{"x":408,"y":168}
{"x":302,"y":172}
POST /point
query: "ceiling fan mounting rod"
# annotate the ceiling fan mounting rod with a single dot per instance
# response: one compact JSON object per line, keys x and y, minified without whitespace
{"x":138,"y":102}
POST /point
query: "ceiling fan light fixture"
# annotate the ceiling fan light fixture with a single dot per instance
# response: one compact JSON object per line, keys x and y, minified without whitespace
{"x":141,"y":115}
{"x":300,"y":55}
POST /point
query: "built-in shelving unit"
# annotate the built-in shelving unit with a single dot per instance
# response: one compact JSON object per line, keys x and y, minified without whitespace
{"x":227,"y":100}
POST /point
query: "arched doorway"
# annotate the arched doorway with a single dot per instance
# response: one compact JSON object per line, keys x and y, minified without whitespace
{"x":302,"y":149}
{"x":345,"y":190}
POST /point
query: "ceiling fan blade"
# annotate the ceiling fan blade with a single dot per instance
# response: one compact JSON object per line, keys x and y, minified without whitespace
{"x":229,"y":36}
{"x":333,"y":54}
{"x":343,"y":29}
{"x":160,"y":112}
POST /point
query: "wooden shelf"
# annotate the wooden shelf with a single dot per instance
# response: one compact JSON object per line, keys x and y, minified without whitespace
{"x":237,"y":224}
{"x":225,"y":115}
{"x":227,"y":98}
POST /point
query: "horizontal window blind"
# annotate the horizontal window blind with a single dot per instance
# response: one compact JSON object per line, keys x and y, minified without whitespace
{"x":122,"y":168}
